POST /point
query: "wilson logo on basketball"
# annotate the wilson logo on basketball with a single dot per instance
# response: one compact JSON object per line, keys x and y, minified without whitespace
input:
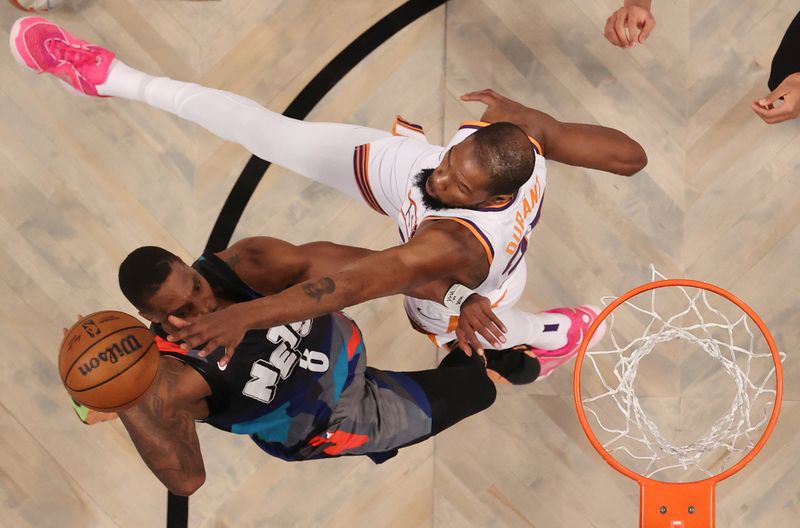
{"x":126,"y":346}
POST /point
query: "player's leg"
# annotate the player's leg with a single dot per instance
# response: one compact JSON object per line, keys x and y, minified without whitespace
{"x":546,"y":330}
{"x":552,"y":337}
{"x":323,"y":152}
{"x":399,"y":409}
{"x":456,"y":389}
{"x":536,"y":343}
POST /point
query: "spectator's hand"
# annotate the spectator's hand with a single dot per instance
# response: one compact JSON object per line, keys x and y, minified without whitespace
{"x":771,"y":110}
{"x":630,"y":25}
{"x":477,"y":316}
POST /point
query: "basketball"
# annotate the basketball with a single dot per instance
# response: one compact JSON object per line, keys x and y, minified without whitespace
{"x":107,"y":360}
{"x":36,"y":6}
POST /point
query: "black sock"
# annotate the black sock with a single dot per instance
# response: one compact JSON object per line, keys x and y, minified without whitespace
{"x":514,"y":365}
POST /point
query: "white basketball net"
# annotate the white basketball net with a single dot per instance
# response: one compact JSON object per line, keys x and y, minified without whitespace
{"x":634,"y":439}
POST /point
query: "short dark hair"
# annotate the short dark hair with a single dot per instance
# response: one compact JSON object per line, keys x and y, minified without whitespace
{"x":143,"y":272}
{"x":505,"y":150}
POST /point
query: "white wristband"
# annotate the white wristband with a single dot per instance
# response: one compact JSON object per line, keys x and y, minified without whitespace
{"x":456,"y":296}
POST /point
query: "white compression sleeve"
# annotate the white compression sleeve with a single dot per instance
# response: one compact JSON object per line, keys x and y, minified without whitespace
{"x":320,"y":151}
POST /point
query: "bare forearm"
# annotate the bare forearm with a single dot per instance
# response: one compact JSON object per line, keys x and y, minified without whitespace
{"x":440,"y":250}
{"x":165,"y":437}
{"x":584,"y":145}
{"x":598,"y":147}
{"x":319,"y":296}
{"x":402,"y":269}
{"x":329,"y":258}
{"x":173,"y":458}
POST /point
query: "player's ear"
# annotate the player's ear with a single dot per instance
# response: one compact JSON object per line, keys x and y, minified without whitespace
{"x":499,"y":199}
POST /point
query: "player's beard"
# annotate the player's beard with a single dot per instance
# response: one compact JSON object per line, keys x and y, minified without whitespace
{"x":427,"y":200}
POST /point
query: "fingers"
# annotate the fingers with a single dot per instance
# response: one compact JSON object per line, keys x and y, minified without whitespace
{"x":478,"y":95}
{"x":186,"y":334}
{"x":210,"y":347}
{"x":628,"y":26}
{"x":65,"y":330}
{"x":463,"y":343}
{"x":230,"y":348}
{"x":619,"y":29}
{"x":467,"y":338}
{"x":761,"y":111}
{"x":226,"y":357}
{"x":632,"y":26}
{"x":772,"y":119}
{"x":492,"y":333}
{"x":178,"y":322}
{"x":188,"y":337}
{"x":485,"y":96}
{"x":782,"y":89}
{"x":609,"y":32}
{"x":486,"y":326}
{"x":773,"y":115}
{"x":496,"y":320}
{"x":486,"y":322}
{"x":647,"y":28}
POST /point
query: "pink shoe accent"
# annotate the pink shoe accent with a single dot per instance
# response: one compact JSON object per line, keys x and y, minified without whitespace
{"x":581,"y":318}
{"x":46,"y":47}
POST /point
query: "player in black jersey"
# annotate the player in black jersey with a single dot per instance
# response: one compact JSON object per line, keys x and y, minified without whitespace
{"x":301,"y":391}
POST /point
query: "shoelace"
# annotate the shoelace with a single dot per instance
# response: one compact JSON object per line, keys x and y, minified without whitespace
{"x":75,"y":55}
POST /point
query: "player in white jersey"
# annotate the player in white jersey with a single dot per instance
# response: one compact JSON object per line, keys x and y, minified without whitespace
{"x":475,"y":186}
{"x":501,"y":229}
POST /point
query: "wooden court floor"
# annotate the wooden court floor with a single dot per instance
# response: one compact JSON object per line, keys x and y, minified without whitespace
{"x":83,"y":182}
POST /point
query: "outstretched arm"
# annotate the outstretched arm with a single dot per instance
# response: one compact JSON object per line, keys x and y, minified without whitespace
{"x":270,"y":265}
{"x":163,"y":431}
{"x":591,"y":146}
{"x":441,"y":250}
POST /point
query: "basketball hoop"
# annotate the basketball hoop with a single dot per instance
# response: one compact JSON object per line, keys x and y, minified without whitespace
{"x":712,"y":327}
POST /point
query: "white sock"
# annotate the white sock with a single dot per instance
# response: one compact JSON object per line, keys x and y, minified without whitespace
{"x":124,"y":81}
{"x":554,"y":331}
{"x":543,"y":330}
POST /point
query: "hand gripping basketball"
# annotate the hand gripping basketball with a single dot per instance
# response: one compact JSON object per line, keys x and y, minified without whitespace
{"x":107,"y":360}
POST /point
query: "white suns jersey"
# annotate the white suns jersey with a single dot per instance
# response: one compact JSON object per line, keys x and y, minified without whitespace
{"x":386,"y":172}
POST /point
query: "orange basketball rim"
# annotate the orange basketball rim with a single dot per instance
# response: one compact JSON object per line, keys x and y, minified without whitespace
{"x":674,"y":504}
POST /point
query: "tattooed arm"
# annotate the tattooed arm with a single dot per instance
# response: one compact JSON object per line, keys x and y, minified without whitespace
{"x":162,"y":428}
{"x":270,"y":265}
{"x":441,"y":250}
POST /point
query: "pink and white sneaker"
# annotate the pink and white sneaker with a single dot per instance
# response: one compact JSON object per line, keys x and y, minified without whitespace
{"x":46,"y":47}
{"x":581,"y":317}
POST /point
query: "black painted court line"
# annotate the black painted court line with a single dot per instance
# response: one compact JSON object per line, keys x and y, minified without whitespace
{"x":302,"y":105}
{"x":177,"y":511}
